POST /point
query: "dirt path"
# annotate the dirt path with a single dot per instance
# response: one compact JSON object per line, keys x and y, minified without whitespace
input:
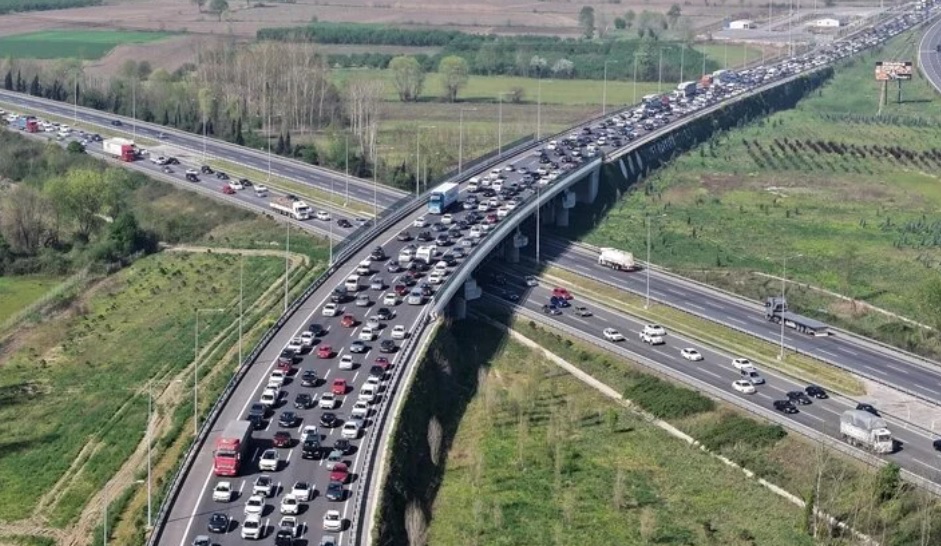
{"x":168,"y":393}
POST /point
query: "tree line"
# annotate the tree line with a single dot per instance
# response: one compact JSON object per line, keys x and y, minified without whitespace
{"x":524,"y":55}
{"x":13,"y":6}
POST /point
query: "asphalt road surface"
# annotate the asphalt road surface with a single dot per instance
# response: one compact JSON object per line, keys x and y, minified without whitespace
{"x":928,"y":56}
{"x":884,"y":365}
{"x":915,"y":452}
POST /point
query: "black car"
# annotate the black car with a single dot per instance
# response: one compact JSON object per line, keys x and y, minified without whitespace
{"x":343,"y":445}
{"x":868,"y":408}
{"x":245,"y":182}
{"x":259,"y":409}
{"x":438,"y":226}
{"x":218,"y":523}
{"x":311,"y":448}
{"x":424,"y":236}
{"x":344,"y":223}
{"x":449,"y":259}
{"x":358,"y":347}
{"x":206,"y":169}
{"x":192,"y":177}
{"x":785,"y":406}
{"x":287,"y":356}
{"x":303,"y":401}
{"x":377,"y":371}
{"x":816,"y":392}
{"x":287,"y":419}
{"x":309,"y":378}
{"x":551,"y":310}
{"x":335,"y":491}
{"x":257,"y":421}
{"x":404,"y":236}
{"x":283,"y":538}
{"x":798,"y":397}
{"x":116,"y":122}
{"x":328,"y":419}
{"x":384,"y":313}
{"x":316,"y":329}
{"x":378,"y":254}
{"x":937,"y":445}
{"x":387,"y":346}
{"x":221,"y":175}
{"x":442,"y":240}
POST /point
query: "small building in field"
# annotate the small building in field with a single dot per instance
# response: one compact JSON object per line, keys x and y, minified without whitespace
{"x":741,"y":24}
{"x":826,"y":22}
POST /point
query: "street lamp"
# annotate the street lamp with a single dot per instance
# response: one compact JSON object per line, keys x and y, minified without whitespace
{"x":784,"y":260}
{"x":636,"y":54}
{"x":418,"y":157}
{"x":347,"y":200}
{"x":107,"y":500}
{"x":460,"y":149}
{"x":150,"y":442}
{"x":647,"y":264}
{"x":287,"y":260}
{"x":539,"y":108}
{"x":604,"y":88}
{"x":196,"y":366}
{"x":500,"y":122}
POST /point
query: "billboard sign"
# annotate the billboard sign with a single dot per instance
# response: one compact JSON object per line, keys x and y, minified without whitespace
{"x":893,"y":70}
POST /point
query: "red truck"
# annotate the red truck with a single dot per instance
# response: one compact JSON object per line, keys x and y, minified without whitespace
{"x":232,"y":448}
{"x":122,"y":148}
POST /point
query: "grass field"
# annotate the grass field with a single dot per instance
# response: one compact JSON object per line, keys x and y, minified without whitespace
{"x":539,"y":458}
{"x":17,"y":293}
{"x":83,"y":44}
{"x":729,"y":56}
{"x":71,"y":388}
{"x":854,"y":193}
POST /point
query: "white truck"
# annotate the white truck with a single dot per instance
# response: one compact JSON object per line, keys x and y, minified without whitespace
{"x":616,"y":259}
{"x":426,"y":253}
{"x":298,"y":210}
{"x":863,"y":429}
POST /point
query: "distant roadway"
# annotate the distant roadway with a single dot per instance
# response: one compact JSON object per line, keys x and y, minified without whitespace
{"x":929,"y":60}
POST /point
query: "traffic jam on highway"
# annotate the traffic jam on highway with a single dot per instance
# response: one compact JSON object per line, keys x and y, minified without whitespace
{"x":285,"y":469}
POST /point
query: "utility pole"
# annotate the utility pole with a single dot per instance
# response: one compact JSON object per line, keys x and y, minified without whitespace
{"x":660,"y":73}
{"x":682,"y":59}
{"x":287,"y":261}
{"x":635,"y":79}
{"x":196,"y":367}
{"x":460,"y":152}
{"x":347,"y":200}
{"x":604,"y":88}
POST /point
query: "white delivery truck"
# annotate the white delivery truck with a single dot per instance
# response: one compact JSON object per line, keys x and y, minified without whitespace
{"x":616,"y":259}
{"x":863,"y":429}
{"x":442,"y":197}
{"x":298,"y":210}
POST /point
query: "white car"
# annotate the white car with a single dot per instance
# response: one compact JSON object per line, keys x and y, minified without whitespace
{"x":289,"y":505}
{"x":296,"y":344}
{"x":366,"y":334}
{"x":310,"y":432}
{"x":269,"y":461}
{"x":323,"y":215}
{"x":251,"y":527}
{"x":350,"y":429}
{"x":368,"y":392}
{"x":302,"y":491}
{"x":254,"y":505}
{"x":447,"y":219}
{"x":360,"y":409}
{"x":307,"y":338}
{"x":277,"y":378}
{"x":752,"y":376}
{"x":346,"y":361}
{"x":741,"y":363}
{"x":222,"y":492}
{"x":654,"y":330}
{"x":330,"y":310}
{"x":332,"y":521}
{"x":436,"y":277}
{"x":399,"y":332}
{"x":613,"y":335}
{"x":531,"y":281}
{"x":690,"y":354}
{"x":743,"y":386}
{"x":651,"y":339}
{"x":270,"y":397}
{"x":263,"y":486}
{"x":289,"y":524}
{"x":390,"y":299}
{"x":328,"y":400}
{"x":420,"y":222}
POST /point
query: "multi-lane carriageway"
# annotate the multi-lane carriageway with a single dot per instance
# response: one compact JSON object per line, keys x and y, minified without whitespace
{"x":189,"y":513}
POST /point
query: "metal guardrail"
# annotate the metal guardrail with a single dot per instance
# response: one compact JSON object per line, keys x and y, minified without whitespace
{"x":714,"y":392}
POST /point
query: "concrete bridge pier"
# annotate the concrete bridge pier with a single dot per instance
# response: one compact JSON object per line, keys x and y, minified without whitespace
{"x":586,"y":190}
{"x":511,"y":253}
{"x":565,"y":203}
{"x":457,"y":309}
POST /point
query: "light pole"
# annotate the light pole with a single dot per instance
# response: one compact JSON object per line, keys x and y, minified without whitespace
{"x":660,"y":72}
{"x":539,"y":108}
{"x":418,"y":157}
{"x":682,"y":59}
{"x":538,"y":223}
{"x":460,"y":148}
{"x":636,"y":54}
{"x":196,"y":366}
{"x":134,"y":107}
{"x":347,"y":200}
{"x":647,"y":264}
{"x":287,"y":261}
{"x":107,"y":500}
{"x":375,"y":180}
{"x":500,"y":122}
{"x":784,"y":260}
{"x":150,"y":442}
{"x":604,"y":88}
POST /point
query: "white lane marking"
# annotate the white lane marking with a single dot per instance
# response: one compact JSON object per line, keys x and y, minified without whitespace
{"x":763,"y":395}
{"x":824,"y":351}
{"x":847,"y":351}
{"x":736,"y":321}
{"x":713,"y":374}
{"x":695,"y":306}
{"x":288,"y":458}
{"x":919,"y":461}
{"x":876,"y":370}
{"x":813,"y":416}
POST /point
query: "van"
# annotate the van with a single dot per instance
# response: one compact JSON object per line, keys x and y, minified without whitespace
{"x":352,"y":283}
{"x":367,"y":393}
{"x":406,"y":254}
{"x":473,"y":184}
{"x":364,"y":268}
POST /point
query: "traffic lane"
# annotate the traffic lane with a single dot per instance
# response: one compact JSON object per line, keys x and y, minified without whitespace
{"x":876,"y":363}
{"x":193,"y":495}
{"x":915,"y":450}
{"x":359,"y":189}
{"x":338,"y":338}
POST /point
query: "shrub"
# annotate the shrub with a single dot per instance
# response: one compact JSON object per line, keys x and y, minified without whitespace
{"x":667,"y":401}
{"x":735,"y":429}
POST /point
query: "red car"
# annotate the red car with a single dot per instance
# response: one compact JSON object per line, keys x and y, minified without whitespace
{"x":561,"y":293}
{"x":324,"y":351}
{"x":383,"y":363}
{"x":227,"y":189}
{"x":338,"y":387}
{"x":339,"y":473}
{"x":282,"y":438}
{"x":400,"y":290}
{"x":491,"y":219}
{"x":348,"y":321}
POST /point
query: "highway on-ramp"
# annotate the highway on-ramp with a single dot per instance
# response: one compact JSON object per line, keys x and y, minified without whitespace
{"x":929,"y":58}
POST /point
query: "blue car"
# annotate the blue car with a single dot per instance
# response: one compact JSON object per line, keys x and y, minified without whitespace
{"x":556,"y":301}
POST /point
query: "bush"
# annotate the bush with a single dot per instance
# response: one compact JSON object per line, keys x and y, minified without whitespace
{"x":667,"y":401}
{"x":735,"y":429}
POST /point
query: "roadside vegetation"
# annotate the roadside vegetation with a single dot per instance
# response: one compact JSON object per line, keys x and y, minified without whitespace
{"x":17,"y":293}
{"x":496,"y":445}
{"x":10,"y":6}
{"x":79,"y":44}
{"x":849,"y":195}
